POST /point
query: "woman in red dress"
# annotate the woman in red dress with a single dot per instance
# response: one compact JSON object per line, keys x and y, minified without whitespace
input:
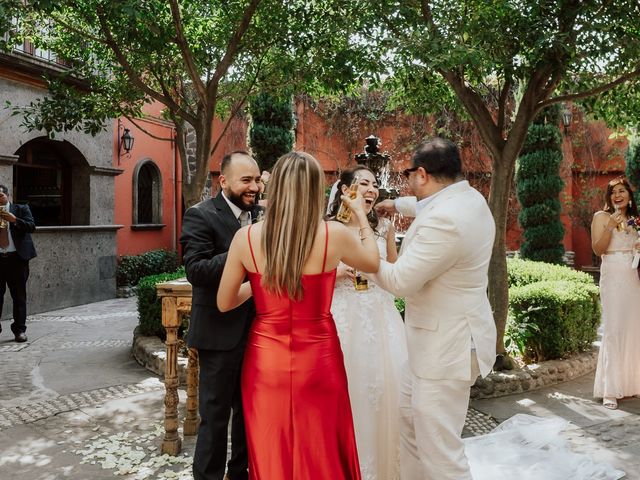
{"x":294,"y":387}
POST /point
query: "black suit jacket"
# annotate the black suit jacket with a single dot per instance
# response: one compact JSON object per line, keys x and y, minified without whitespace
{"x":21,"y":231}
{"x":207,"y":231}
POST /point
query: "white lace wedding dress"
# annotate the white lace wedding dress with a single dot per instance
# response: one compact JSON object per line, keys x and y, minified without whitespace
{"x":525,"y":447}
{"x":373,"y":342}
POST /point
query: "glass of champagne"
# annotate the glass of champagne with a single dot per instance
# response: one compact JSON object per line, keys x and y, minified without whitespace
{"x":3,"y":222}
{"x":359,"y":281}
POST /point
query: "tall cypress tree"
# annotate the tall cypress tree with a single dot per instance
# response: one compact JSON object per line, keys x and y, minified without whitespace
{"x":632,"y":158}
{"x":271,"y":132}
{"x":538,"y":187}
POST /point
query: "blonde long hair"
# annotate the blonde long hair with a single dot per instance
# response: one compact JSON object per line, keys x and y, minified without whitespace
{"x":296,"y":207}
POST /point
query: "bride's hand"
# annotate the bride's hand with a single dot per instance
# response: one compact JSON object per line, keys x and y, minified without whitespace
{"x":356,"y":205}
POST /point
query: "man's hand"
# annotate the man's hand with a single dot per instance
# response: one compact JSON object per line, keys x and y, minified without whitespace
{"x":386,"y":208}
{"x":8,"y":216}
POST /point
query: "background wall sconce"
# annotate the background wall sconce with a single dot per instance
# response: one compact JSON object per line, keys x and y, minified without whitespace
{"x":125,"y":142}
{"x":567,"y":117}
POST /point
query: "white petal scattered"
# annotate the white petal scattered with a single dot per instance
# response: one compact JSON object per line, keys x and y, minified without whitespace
{"x":129,"y":454}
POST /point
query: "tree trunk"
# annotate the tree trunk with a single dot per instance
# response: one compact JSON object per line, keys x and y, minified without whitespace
{"x":192,"y":189}
{"x":501,"y":179}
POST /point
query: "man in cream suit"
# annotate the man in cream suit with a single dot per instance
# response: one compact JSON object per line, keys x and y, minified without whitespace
{"x":451,"y":335}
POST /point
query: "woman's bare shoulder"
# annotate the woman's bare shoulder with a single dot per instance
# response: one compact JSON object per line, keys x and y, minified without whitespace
{"x":335,"y":226}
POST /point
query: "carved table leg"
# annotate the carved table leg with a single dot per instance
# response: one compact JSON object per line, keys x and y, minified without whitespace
{"x":192,"y":421}
{"x":170,"y":320}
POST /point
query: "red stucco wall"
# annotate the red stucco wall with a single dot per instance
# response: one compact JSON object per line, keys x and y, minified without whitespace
{"x":591,"y":159}
{"x":130,"y":241}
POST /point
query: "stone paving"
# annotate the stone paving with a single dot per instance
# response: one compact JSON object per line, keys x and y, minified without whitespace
{"x":75,"y":405}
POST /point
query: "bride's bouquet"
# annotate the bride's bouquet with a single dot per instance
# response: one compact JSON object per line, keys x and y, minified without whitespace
{"x":634,"y":222}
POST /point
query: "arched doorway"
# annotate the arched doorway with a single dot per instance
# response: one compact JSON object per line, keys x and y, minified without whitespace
{"x":53,"y":178}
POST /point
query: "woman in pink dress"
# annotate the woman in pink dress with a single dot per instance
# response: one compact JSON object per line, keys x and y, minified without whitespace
{"x":296,"y":405}
{"x":618,"y":370}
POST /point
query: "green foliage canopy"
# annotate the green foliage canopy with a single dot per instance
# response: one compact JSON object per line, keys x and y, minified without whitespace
{"x":505,"y":61}
{"x":196,"y":58}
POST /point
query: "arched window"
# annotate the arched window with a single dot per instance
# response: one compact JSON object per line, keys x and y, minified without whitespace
{"x":147,"y":194}
{"x":52,"y":177}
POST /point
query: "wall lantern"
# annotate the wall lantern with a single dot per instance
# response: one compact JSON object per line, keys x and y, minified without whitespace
{"x":567,"y":117}
{"x":126,"y":141}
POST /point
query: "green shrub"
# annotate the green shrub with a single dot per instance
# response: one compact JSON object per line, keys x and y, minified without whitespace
{"x":538,"y":186}
{"x":400,"y":305}
{"x":632,"y":159}
{"x":150,"y":306}
{"x":131,"y":268}
{"x":560,"y":316}
{"x":523,"y":272}
{"x":271,"y":134}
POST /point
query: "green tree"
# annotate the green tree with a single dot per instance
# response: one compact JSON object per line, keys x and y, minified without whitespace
{"x":9,"y":9}
{"x":503,"y":62}
{"x":538,"y":187}
{"x":271,"y":132}
{"x":632,"y":159}
{"x":199,"y":59}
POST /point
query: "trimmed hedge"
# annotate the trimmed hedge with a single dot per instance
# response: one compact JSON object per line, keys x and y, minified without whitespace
{"x":150,"y":306}
{"x":538,"y":186}
{"x":523,"y":272}
{"x":632,"y":159}
{"x":131,"y":268}
{"x":271,"y":134}
{"x":566,"y":315}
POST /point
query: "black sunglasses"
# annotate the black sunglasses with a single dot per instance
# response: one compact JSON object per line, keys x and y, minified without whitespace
{"x":407,"y":171}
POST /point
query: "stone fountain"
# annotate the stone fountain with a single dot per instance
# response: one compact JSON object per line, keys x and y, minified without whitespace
{"x":378,"y":163}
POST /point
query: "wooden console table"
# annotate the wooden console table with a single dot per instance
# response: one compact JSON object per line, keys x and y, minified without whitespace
{"x":176,"y":302}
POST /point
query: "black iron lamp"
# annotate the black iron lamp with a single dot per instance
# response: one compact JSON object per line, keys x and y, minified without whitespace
{"x":126,"y":141}
{"x":567,"y":117}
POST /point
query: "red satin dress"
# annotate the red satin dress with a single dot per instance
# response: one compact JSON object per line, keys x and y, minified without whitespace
{"x":294,"y":387}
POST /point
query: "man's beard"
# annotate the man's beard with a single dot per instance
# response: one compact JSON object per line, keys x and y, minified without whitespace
{"x":237,"y":200}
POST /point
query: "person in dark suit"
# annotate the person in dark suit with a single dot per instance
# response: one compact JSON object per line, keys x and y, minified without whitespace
{"x":16,"y":249}
{"x":220,"y":338}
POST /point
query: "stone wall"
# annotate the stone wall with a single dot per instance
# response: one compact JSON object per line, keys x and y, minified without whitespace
{"x":75,"y":263}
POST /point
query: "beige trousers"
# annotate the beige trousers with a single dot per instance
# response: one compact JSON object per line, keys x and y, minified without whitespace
{"x":432,"y":415}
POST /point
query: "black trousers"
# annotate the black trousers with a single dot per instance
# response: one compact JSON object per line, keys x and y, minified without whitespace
{"x":14,"y":273}
{"x":219,"y":398}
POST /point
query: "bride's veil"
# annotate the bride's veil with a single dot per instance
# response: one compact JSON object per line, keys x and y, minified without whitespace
{"x":332,"y":196}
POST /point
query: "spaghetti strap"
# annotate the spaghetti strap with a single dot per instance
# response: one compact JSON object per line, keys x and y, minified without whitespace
{"x":255,"y":265}
{"x":326,"y":244}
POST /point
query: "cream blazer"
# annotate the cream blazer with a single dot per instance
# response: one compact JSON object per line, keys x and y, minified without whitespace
{"x":442,"y":273}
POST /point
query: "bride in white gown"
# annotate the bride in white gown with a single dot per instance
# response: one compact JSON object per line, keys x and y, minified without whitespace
{"x":373,"y":342}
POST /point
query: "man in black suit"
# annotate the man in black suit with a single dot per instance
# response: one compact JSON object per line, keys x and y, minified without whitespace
{"x":220,"y":338}
{"x":16,"y":249}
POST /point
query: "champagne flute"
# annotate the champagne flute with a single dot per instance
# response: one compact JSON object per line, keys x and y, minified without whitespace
{"x":360,"y":282}
{"x":619,"y":225}
{"x":3,"y":222}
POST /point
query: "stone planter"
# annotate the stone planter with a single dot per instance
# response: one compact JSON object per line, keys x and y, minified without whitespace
{"x":535,"y":376}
